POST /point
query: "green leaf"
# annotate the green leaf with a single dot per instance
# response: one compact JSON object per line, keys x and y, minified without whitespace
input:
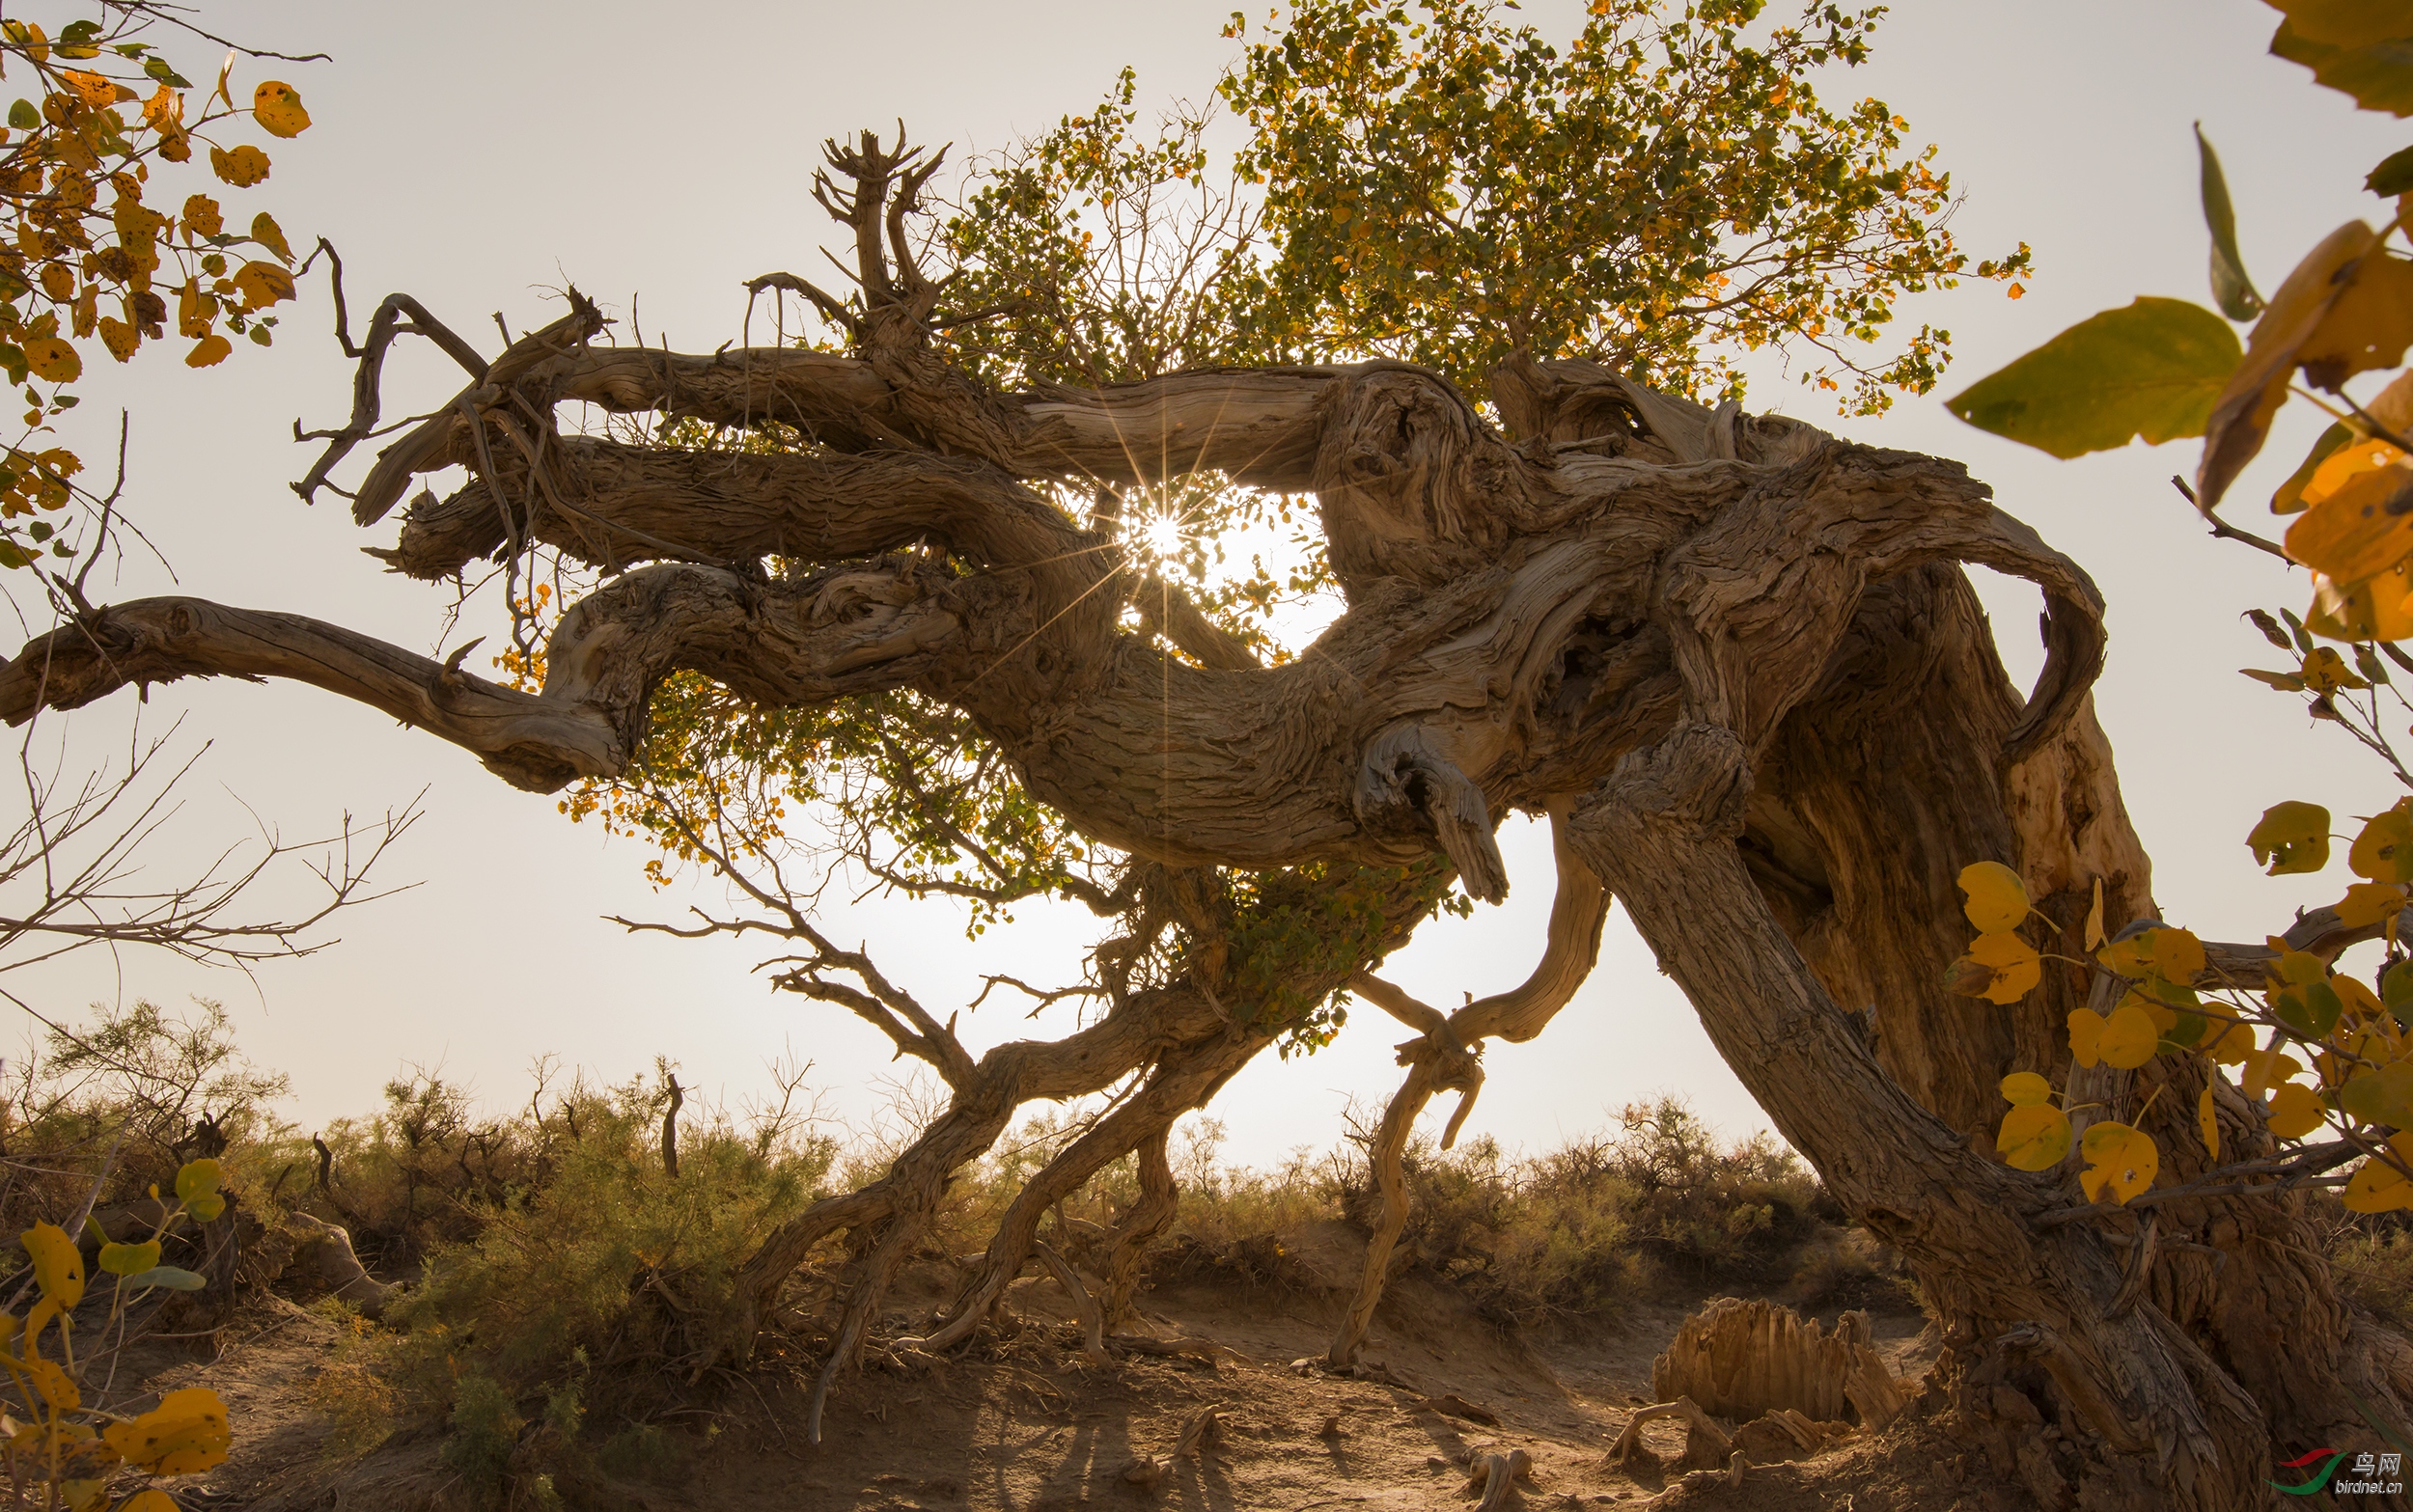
{"x":2231,"y":289}
{"x":2291,"y":838}
{"x":2151,"y":370}
{"x":2393,"y":176}
{"x":23,"y":116}
{"x":167,"y":1275}
{"x":2382,"y":1096}
{"x":2295,"y":627}
{"x":2378,"y":74}
{"x":2311,"y":1009}
{"x":2395,"y":989}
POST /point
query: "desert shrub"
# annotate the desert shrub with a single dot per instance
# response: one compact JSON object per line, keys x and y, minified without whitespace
{"x":1849,"y":1268}
{"x":416,"y":1174}
{"x":1707,"y":1211}
{"x":584,"y":1267}
{"x":128,"y":1098}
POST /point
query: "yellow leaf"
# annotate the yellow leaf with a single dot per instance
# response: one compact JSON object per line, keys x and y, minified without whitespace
{"x":165,"y":110}
{"x":2367,"y":903}
{"x":2295,"y":1111}
{"x":242,"y":168}
{"x":2344,"y":23}
{"x":2026,"y":1088}
{"x":120,"y":338}
{"x":2033,"y":1136}
{"x":2121,"y":1163}
{"x":54,"y":1386}
{"x":2131,"y":957}
{"x":2291,"y":838}
{"x":1998,"y":900}
{"x":2325,"y":670}
{"x":93,"y":90}
{"x":57,"y":1266}
{"x":2000,"y":968}
{"x":2353,"y":531}
{"x":2369,"y":325}
{"x":278,"y":109}
{"x":2357,"y":998}
{"x":2383,"y":852}
{"x":197,"y":1184}
{"x":2241,"y":416}
{"x":264,"y":284}
{"x":2086,"y":1037}
{"x":2095,"y":919}
{"x":208,"y":351}
{"x":129,"y":1259}
{"x":193,"y":316}
{"x":203,"y":217}
{"x":2234,"y":1044}
{"x":2207,"y":1123}
{"x":2377,"y":1188}
{"x":2378,"y":608}
{"x":52,"y":360}
{"x":268,"y":233}
{"x":2165,"y":1018}
{"x":2267,"y":1068}
{"x":2390,"y":408}
{"x":185,"y":1434}
{"x":2177,"y":955}
{"x":2128,"y":1038}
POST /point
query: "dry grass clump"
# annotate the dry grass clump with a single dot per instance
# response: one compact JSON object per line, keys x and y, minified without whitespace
{"x":2372,"y":1254}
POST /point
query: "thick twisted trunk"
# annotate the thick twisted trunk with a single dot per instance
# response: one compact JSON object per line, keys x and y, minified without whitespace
{"x":1747,"y":644}
{"x":2163,"y":1418}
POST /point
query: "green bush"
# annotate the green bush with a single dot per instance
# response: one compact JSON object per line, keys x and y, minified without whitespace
{"x":601,"y":1260}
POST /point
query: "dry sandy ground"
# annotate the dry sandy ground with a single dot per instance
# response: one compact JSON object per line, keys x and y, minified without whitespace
{"x":1026,"y":1425}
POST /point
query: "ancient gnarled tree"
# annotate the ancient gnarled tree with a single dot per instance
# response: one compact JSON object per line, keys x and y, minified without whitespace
{"x":1733,"y":658}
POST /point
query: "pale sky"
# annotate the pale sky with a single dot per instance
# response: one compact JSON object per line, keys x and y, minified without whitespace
{"x":477,"y":155}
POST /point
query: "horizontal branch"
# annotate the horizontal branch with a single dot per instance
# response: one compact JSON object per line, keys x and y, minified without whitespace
{"x":1259,"y":425}
{"x":622,"y":504}
{"x":529,"y":741}
{"x":808,"y":640}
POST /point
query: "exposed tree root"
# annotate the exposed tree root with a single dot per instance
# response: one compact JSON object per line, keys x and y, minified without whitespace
{"x":339,"y":1269}
{"x":1092,"y":1320}
{"x":1198,"y":1432}
{"x":1705,"y":1444}
{"x":1126,"y":1247}
{"x":1495,"y":1476}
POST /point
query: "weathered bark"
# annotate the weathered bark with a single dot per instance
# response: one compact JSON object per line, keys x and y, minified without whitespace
{"x":1661,"y":832}
{"x":1127,"y":1246}
{"x":1742,"y":647}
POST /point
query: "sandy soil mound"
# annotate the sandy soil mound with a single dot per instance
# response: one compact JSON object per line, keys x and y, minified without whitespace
{"x":1023,"y":1423}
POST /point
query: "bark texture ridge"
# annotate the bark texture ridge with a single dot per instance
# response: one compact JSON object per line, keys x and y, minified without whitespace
{"x":1733,"y":658}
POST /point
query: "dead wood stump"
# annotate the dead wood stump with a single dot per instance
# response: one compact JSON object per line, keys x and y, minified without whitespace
{"x":1742,"y":1361}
